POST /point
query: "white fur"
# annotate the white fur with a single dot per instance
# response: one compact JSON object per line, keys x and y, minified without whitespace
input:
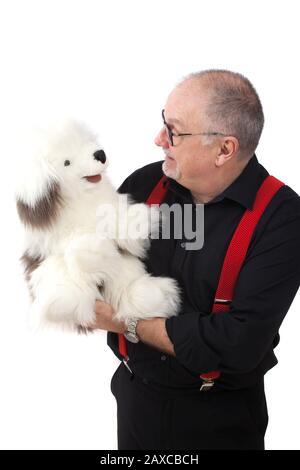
{"x":78,"y":255}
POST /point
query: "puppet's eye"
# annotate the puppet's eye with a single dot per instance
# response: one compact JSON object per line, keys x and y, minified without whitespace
{"x":67,"y":163}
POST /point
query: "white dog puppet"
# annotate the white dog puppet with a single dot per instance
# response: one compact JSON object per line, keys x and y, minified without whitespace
{"x":71,"y":258}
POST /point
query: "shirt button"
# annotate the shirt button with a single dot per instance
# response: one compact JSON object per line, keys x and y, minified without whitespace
{"x":163,"y":357}
{"x":182,"y":245}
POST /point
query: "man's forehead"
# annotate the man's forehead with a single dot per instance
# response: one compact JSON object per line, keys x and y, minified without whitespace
{"x":176,"y":110}
{"x":181,"y":114}
{"x":172,"y":120}
{"x":184,"y":103}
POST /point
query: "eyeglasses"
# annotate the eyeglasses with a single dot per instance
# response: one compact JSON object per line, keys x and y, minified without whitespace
{"x":170,"y":133}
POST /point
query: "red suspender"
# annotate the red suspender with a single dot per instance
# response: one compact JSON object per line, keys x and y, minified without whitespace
{"x":236,"y":254}
{"x":123,"y":347}
{"x":234,"y":257}
{"x":158,"y":193}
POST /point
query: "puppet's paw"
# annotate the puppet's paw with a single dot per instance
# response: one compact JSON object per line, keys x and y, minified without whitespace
{"x":66,"y":306}
{"x":136,"y":225}
{"x":149,"y":297}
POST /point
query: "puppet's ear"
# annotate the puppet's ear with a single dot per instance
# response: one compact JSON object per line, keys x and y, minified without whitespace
{"x":43,"y":212}
{"x":37,"y":187}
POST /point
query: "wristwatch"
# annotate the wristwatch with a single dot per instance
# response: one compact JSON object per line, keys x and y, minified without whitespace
{"x":130,"y":333}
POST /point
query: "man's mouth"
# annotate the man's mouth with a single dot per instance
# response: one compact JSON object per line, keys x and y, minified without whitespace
{"x":93,"y":178}
{"x":167,"y":155}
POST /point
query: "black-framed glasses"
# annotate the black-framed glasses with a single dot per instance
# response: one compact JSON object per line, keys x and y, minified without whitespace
{"x":170,"y":133}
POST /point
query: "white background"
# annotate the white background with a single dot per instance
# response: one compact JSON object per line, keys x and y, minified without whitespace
{"x":113,"y":64}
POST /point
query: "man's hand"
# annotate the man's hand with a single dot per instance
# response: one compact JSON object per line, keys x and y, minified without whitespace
{"x":104,"y":318}
{"x":151,"y":331}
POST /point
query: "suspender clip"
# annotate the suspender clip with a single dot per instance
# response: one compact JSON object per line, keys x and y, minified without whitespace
{"x":207,"y":385}
{"x":125,"y":362}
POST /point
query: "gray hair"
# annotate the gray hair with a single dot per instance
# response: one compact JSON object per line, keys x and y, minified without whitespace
{"x":233,"y":106}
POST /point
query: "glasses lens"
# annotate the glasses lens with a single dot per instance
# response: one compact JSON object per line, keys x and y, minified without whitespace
{"x":167,"y":129}
{"x":170,"y":136}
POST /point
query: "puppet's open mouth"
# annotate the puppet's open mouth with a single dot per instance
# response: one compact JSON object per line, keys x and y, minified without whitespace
{"x":93,"y":178}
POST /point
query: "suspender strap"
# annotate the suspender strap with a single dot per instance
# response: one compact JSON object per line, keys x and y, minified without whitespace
{"x":158,"y":193}
{"x":236,"y":254}
{"x":123,"y":347}
{"x":156,"y":197}
{"x":240,"y":242}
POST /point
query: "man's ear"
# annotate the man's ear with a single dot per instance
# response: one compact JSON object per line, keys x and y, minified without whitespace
{"x":229,"y":147}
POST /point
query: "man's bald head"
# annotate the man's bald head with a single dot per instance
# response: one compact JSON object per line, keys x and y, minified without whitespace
{"x":232,"y":105}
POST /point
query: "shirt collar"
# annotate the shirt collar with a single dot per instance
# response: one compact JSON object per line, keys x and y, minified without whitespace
{"x":243,"y":189}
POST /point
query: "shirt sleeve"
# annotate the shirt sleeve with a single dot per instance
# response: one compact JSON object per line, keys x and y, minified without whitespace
{"x":125,"y":186}
{"x":237,"y":341}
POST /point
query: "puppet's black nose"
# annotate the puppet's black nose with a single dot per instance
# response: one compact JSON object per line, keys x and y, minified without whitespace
{"x":100,"y":156}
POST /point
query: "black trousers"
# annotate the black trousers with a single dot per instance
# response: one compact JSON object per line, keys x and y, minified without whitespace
{"x":151,"y":418}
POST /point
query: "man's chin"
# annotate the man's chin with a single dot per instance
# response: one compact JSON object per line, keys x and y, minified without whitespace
{"x":173,"y":173}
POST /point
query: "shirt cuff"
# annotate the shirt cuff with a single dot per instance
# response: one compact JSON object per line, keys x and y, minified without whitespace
{"x":185,"y":332}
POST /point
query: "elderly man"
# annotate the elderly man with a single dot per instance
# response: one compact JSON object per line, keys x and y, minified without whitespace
{"x":212,"y":123}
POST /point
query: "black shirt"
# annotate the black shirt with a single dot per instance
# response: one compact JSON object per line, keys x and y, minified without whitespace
{"x":238,"y":343}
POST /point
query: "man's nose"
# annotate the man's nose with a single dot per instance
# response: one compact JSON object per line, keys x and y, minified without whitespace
{"x":161,"y":138}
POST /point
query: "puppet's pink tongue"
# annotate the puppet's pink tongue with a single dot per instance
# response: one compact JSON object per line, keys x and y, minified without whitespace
{"x":93,"y":179}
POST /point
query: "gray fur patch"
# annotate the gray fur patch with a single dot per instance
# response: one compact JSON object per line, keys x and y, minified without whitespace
{"x":44,"y":213}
